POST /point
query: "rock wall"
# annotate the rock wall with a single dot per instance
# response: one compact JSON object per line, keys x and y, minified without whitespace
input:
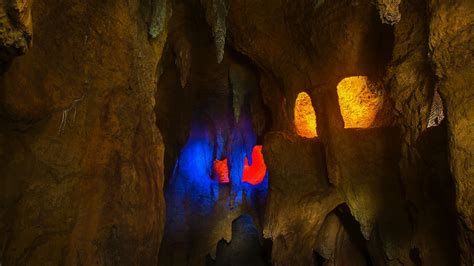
{"x":314,"y":56}
{"x":300,"y":196}
{"x":451,"y":40}
{"x":82,"y":159}
{"x":412,"y":82}
{"x":16,"y":29}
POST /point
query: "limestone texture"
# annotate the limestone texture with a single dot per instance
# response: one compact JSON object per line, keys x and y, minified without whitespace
{"x":82,"y":159}
{"x":451,"y":40}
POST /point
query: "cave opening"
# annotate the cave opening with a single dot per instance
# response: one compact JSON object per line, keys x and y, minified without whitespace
{"x":214,"y":156}
{"x":340,"y":240}
{"x":212,"y":184}
{"x":304,"y":116}
{"x":360,"y":101}
{"x":245,"y":247}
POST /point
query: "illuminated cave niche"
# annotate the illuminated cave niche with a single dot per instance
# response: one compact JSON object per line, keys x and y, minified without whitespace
{"x":255,"y":173}
{"x":204,"y":194}
{"x":252,"y":174}
{"x":305,"y":118}
{"x":359,"y":102}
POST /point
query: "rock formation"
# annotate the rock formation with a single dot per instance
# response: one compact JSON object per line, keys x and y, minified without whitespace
{"x":113,"y":115}
{"x":82,"y":159}
{"x":16,"y":29}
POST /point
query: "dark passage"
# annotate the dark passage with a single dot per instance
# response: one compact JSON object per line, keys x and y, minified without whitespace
{"x":244,"y":249}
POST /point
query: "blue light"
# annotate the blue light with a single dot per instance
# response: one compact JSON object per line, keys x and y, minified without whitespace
{"x":192,"y":194}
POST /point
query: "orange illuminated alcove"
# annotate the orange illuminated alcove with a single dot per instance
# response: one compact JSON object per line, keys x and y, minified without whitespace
{"x":359,"y":102}
{"x":304,"y":116}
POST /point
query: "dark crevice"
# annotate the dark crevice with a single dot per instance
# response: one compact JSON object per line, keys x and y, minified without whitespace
{"x":352,"y":226}
{"x":244,"y":248}
{"x":318,"y":259}
{"x":415,"y":256}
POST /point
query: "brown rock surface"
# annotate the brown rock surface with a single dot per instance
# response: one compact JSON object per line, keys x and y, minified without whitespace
{"x":339,"y":240}
{"x":451,"y":42}
{"x":16,"y":29}
{"x":81,"y":156}
{"x":300,"y":196}
{"x":389,"y":11}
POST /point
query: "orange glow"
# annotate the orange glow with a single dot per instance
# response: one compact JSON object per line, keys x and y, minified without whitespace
{"x":221,"y":171}
{"x":358,"y":101}
{"x":305,"y":118}
{"x":255,"y":173}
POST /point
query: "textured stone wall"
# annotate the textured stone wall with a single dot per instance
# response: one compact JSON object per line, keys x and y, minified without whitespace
{"x":16,"y":29}
{"x":451,"y":40}
{"x":300,"y":196}
{"x":379,"y":173}
{"x":81,"y":157}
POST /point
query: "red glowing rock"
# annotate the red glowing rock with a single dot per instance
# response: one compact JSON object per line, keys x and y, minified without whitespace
{"x":221,"y":171}
{"x":255,"y":173}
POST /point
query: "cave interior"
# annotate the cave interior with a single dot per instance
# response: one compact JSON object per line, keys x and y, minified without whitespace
{"x":237,"y":132}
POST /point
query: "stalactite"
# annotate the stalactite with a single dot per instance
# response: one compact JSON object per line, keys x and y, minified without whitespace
{"x":16,"y":29}
{"x":317,"y":3}
{"x":183,"y":59}
{"x":389,"y":11}
{"x":161,"y":12}
{"x":258,"y":114}
{"x":243,"y":82}
{"x":216,"y":13}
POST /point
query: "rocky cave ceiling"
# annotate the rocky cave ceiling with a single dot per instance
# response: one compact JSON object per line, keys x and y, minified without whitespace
{"x":237,"y":132}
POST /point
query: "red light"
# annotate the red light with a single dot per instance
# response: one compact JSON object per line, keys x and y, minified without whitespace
{"x":255,"y":173}
{"x":221,"y":171}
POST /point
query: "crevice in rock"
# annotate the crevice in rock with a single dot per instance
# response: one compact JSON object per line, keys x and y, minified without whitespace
{"x":245,"y":247}
{"x":340,"y":240}
{"x":318,"y":259}
{"x":353,"y":229}
{"x":415,"y":256}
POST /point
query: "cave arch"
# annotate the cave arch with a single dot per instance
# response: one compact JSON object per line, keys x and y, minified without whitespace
{"x":304,"y":116}
{"x":340,"y":240}
{"x":360,"y":101}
